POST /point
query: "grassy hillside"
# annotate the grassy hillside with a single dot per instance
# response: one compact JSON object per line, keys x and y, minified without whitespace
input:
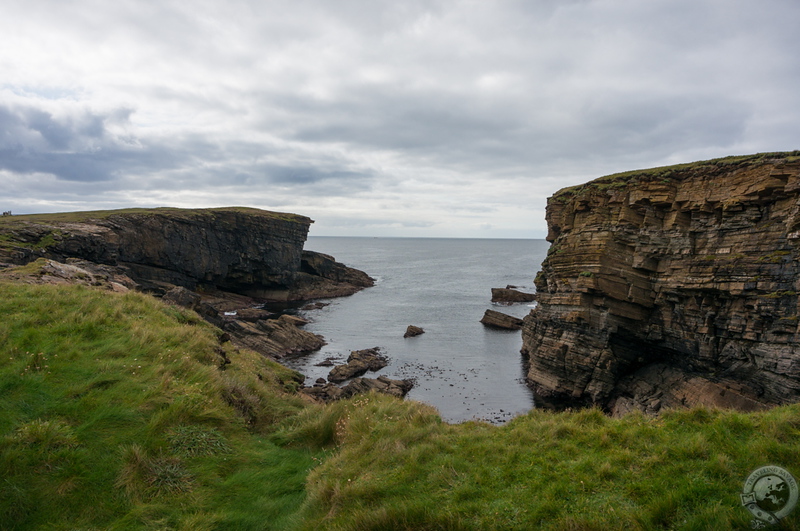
{"x":115,"y":414}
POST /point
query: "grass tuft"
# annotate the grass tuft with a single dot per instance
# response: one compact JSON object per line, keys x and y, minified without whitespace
{"x":193,"y":441}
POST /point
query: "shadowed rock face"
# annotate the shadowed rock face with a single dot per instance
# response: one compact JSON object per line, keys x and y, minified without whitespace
{"x":240,"y":250}
{"x":232,"y":249}
{"x":672,"y":287}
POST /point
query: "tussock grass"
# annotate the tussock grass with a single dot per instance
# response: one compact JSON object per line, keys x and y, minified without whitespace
{"x":115,"y":414}
{"x":398,"y":467}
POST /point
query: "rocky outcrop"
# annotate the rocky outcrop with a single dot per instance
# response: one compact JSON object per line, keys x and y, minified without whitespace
{"x":234,"y":249}
{"x":495,"y":319}
{"x":238,"y":250}
{"x":358,"y":363}
{"x":322,"y":276}
{"x":276,"y":338}
{"x":413,"y":331}
{"x":328,"y":392}
{"x":73,"y":271}
{"x":672,"y":287}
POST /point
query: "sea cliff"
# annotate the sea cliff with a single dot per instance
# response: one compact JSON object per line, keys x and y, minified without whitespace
{"x":224,"y":263}
{"x":246,"y":251}
{"x":672,"y":287}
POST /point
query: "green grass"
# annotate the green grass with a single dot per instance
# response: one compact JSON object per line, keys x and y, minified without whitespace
{"x":399,"y":467}
{"x":77,"y":217}
{"x":115,"y":414}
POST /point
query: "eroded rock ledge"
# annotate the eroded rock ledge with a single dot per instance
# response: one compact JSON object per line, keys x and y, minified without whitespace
{"x":672,"y":287}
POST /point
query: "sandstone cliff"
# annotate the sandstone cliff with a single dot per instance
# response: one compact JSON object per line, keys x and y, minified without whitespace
{"x":240,"y":250}
{"x":672,"y":287}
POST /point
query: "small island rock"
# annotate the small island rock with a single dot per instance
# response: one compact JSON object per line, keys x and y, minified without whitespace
{"x":501,"y":320}
{"x":511,"y":295}
{"x":412,"y":331}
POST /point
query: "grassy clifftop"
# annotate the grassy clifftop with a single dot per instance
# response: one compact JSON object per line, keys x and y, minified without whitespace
{"x":667,"y":174}
{"x":115,"y":413}
{"x":77,"y":217}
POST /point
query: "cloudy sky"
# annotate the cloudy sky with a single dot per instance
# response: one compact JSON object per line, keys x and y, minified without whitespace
{"x":381,"y":118}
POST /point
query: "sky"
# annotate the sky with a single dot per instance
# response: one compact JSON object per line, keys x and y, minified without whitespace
{"x":414,"y":118}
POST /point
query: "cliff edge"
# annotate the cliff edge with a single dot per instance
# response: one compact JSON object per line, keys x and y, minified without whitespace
{"x":672,"y":287}
{"x":245,"y":251}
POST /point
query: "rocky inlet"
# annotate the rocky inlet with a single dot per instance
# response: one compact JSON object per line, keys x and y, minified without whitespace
{"x":223,"y":263}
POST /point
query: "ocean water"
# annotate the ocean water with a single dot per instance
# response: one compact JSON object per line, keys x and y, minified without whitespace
{"x":465,"y":370}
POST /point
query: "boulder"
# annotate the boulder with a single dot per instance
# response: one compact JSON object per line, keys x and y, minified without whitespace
{"x":381,"y":384}
{"x":183,"y":297}
{"x":496,"y":319}
{"x":413,"y":331}
{"x":510,"y":295}
{"x":358,"y":363}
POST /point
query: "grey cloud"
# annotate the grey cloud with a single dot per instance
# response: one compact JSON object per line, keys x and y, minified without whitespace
{"x":405,"y":103}
{"x":306,"y":175}
{"x":73,"y":148}
{"x":78,"y":148}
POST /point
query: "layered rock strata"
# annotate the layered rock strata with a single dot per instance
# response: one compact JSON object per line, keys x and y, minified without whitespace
{"x":239,"y":250}
{"x":221,"y":262}
{"x":672,"y":287}
{"x":510,"y":295}
{"x":495,"y":319}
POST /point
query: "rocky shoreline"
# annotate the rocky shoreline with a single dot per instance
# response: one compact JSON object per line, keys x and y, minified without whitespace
{"x":663,"y":288}
{"x":225,"y":264}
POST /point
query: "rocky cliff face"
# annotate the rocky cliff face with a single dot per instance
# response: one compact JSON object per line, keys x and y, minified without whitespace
{"x":240,"y":250}
{"x":672,"y":287}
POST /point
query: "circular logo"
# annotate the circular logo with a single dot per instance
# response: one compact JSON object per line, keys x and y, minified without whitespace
{"x":770,"y":493}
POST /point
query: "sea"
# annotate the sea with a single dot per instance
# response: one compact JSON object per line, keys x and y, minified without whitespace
{"x":464,"y":369}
